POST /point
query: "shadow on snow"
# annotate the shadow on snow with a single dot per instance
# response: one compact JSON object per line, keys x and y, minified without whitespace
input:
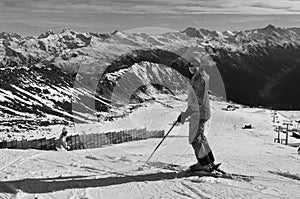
{"x":45,"y":185}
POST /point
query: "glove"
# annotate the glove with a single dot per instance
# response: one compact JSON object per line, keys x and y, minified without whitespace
{"x":180,"y":118}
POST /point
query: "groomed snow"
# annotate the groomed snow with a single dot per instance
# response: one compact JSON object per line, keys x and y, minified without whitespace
{"x":112,"y":172}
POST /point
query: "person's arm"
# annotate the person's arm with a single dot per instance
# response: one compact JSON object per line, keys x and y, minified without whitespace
{"x":188,"y":112}
{"x":183,"y":115}
{"x":199,"y":88}
{"x":192,"y":101}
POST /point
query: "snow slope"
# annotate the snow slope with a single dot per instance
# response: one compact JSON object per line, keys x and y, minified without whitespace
{"x":112,"y":172}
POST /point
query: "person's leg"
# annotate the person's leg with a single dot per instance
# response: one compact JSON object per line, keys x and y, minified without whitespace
{"x":205,"y":154}
{"x":202,"y":149}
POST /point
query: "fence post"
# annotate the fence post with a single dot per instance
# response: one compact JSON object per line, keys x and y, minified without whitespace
{"x":86,"y":141}
{"x":52,"y":143}
{"x":8,"y":145}
{"x":24,"y":144}
{"x":119,"y":135}
{"x":162,"y":133}
{"x":130,"y":135}
{"x":102,"y":139}
{"x":34,"y":143}
{"x":111,"y":137}
{"x":14,"y":144}
{"x":3,"y":144}
{"x":140,"y":134}
{"x":126,"y":135}
{"x":83,"y":140}
{"x":93,"y":140}
{"x":134,"y":133}
{"x":97,"y":140}
{"x":108,"y":139}
{"x":19,"y":144}
{"x":80,"y":142}
{"x":43,"y":143}
{"x":47,"y":144}
{"x":115,"y":137}
{"x":89,"y":141}
{"x":99,"y":145}
{"x":145,"y":133}
{"x":122,"y":136}
{"x":29,"y":144}
{"x":39,"y":144}
{"x":118,"y":138}
{"x":76,"y":142}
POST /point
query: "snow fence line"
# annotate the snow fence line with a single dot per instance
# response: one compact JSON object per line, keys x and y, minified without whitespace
{"x":86,"y":141}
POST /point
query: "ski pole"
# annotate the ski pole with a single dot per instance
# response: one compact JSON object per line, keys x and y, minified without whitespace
{"x":159,"y":143}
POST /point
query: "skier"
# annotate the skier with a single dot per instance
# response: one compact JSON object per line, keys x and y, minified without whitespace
{"x":62,"y":143}
{"x":199,"y":112}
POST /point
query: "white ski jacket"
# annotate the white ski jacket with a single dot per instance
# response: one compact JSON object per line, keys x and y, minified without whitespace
{"x":198,"y":103}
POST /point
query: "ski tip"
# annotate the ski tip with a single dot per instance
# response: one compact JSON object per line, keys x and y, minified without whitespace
{"x":215,"y":167}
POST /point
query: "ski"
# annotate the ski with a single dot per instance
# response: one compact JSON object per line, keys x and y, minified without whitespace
{"x":216,"y":172}
{"x":234,"y":176}
{"x":162,"y":165}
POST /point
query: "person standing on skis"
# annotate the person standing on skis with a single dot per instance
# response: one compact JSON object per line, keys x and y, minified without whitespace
{"x":198,"y":110}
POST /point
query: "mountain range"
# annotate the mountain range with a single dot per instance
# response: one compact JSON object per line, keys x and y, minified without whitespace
{"x":70,"y":76}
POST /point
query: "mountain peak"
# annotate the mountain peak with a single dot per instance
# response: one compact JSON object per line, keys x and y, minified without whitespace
{"x":9,"y":36}
{"x":115,"y":32}
{"x":46,"y":34}
{"x":68,"y":31}
{"x":192,"y":32}
{"x":269,"y":27}
{"x":119,"y":33}
{"x":190,"y":29}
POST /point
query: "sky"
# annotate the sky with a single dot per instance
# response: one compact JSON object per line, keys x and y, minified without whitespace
{"x":32,"y":17}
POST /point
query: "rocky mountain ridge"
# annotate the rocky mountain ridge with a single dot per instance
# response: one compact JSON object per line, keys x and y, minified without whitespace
{"x":256,"y":67}
{"x":52,"y":48}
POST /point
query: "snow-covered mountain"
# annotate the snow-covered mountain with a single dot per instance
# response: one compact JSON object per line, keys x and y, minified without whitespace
{"x":61,"y":74}
{"x":53,"y":78}
{"x":264,"y":62}
{"x":258,"y":66}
